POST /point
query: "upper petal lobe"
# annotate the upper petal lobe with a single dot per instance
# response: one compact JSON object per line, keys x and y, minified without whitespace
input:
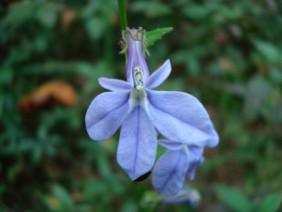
{"x":114,"y":84}
{"x":159,"y":76}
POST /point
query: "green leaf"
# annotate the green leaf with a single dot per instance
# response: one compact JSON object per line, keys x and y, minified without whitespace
{"x":2,"y":189}
{"x":196,"y":11}
{"x":152,"y":9}
{"x":259,"y":90}
{"x":6,"y":76}
{"x":268,"y":50}
{"x":275,"y":74}
{"x":233,"y":198}
{"x":65,"y":200}
{"x":150,"y":198}
{"x":154,"y":35}
{"x":20,"y":13}
{"x":48,"y":14}
{"x":95,"y":27}
{"x":270,"y":203}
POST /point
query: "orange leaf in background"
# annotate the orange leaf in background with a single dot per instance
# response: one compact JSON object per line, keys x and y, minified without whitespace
{"x":50,"y":93}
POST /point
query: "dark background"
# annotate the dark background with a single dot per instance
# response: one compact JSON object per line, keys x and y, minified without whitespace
{"x":226,"y":53}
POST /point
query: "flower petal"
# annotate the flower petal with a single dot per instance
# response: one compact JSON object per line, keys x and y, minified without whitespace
{"x":114,"y":84}
{"x":193,"y":167}
{"x":169,"y":172}
{"x":159,"y":76}
{"x":196,"y":159}
{"x":186,"y":195}
{"x":181,"y":117}
{"x":137,"y":145}
{"x":105,"y":114}
{"x":171,"y":145}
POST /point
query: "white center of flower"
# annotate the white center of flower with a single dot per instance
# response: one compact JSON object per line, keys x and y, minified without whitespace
{"x":138,"y":77}
{"x":138,"y":95}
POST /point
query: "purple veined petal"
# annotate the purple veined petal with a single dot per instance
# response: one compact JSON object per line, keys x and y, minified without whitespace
{"x":114,"y":84}
{"x":159,"y":76}
{"x":106,"y":114}
{"x":193,"y":167}
{"x":137,"y":144}
{"x":169,"y":172}
{"x":195,"y":154}
{"x":171,"y":145}
{"x":181,"y":117}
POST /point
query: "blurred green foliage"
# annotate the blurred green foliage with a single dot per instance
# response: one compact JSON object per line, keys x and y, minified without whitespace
{"x":227,"y":53}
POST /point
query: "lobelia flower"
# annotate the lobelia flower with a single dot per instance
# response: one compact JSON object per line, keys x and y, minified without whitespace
{"x":172,"y":167}
{"x":142,"y":113}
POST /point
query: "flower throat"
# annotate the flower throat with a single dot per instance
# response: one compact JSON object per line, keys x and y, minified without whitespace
{"x":138,"y":77}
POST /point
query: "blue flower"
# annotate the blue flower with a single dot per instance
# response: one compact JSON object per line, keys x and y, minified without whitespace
{"x":142,"y":113}
{"x":172,"y":167}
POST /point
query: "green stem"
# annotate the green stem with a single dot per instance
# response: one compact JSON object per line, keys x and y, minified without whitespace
{"x":122,"y":13}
